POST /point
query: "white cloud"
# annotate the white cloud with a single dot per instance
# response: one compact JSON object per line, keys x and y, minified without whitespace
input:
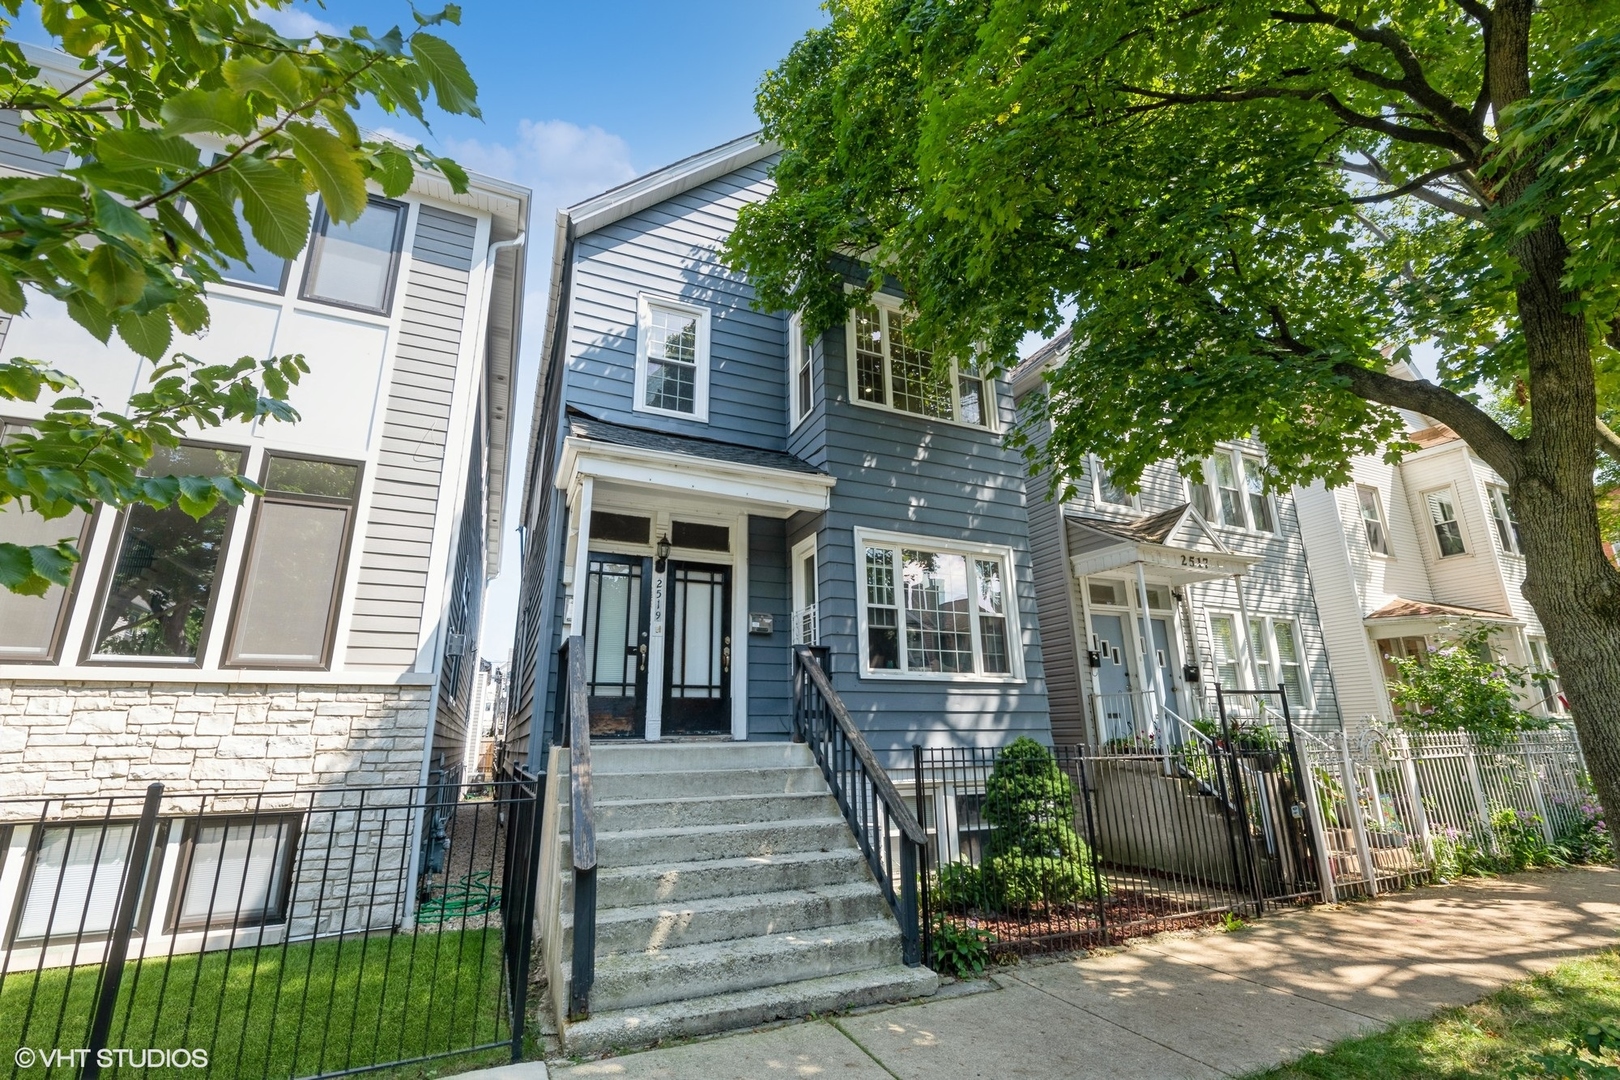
{"x":562,"y":163}
{"x":294,"y":22}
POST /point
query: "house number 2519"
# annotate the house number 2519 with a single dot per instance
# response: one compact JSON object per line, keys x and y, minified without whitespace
{"x":1196,"y":561}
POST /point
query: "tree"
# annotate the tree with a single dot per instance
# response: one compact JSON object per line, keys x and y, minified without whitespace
{"x":193,"y":120}
{"x":1253,"y":207}
{"x":1464,"y":686}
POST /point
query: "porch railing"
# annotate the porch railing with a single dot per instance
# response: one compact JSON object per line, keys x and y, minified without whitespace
{"x":573,"y":731}
{"x":883,"y":824}
{"x":806,"y":626}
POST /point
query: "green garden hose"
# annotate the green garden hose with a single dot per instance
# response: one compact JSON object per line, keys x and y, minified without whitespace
{"x":474,"y":894}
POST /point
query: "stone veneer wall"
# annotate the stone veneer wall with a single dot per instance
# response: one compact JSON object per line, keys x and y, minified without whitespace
{"x":90,"y":739}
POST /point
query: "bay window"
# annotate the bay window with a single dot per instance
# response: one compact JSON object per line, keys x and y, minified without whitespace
{"x":293,"y":573}
{"x":160,"y":591}
{"x":887,"y":370}
{"x":935,"y":609}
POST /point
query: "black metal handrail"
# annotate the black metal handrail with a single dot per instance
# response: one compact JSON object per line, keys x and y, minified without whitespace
{"x":576,"y":736}
{"x":871,"y":804}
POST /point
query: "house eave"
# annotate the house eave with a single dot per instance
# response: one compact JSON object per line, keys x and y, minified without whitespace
{"x":767,"y":492}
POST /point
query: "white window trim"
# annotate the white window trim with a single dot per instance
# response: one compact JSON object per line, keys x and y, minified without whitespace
{"x":1428,"y":519}
{"x":1383,"y":521}
{"x":1496,"y":495}
{"x":1269,"y":623}
{"x":798,"y":411}
{"x":1239,"y":642}
{"x":1549,"y":706}
{"x":1095,"y":466}
{"x":988,"y":404}
{"x":805,"y":549}
{"x":1015,"y":640}
{"x":1264,"y":651}
{"x":645,"y":302}
{"x":1236,"y":454}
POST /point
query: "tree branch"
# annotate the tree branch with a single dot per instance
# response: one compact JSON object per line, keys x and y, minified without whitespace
{"x":1489,"y":439}
{"x":1608,"y":441}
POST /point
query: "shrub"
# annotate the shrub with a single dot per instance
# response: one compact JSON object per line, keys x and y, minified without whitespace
{"x":1583,"y":836}
{"x":959,"y":885}
{"x":960,"y":951}
{"x":1033,"y":855}
{"x":1461,"y":686}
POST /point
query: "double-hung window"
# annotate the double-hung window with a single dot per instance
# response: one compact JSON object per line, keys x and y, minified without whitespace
{"x":1233,"y":492}
{"x":1448,"y":535}
{"x":672,"y":358}
{"x":1372,"y":519}
{"x":30,"y":625}
{"x":1108,"y":491}
{"x":355,"y":265}
{"x":294,"y":569}
{"x":1550,"y":690}
{"x":801,"y":384}
{"x":1262,"y":656}
{"x":931,"y":608}
{"x":1228,"y":659}
{"x":1507,"y":526}
{"x":888,"y":370}
{"x":161,"y":587}
{"x":1290,"y":672}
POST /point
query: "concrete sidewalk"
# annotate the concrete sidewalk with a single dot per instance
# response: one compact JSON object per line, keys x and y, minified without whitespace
{"x":1199,"y":1006}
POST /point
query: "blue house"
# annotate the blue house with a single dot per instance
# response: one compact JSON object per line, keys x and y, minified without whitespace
{"x":709,"y":486}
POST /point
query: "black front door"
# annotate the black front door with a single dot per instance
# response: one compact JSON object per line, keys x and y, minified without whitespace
{"x":697,"y":666}
{"x":616,"y":644}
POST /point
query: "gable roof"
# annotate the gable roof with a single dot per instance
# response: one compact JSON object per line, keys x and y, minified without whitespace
{"x":1401,"y":608}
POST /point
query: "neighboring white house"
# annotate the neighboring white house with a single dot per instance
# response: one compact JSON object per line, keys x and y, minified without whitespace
{"x":321,"y":634}
{"x":1406,"y":553}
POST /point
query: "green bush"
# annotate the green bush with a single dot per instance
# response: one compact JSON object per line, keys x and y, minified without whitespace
{"x":961,"y":951}
{"x":959,"y":885}
{"x":1463,"y":686}
{"x":1033,"y":855}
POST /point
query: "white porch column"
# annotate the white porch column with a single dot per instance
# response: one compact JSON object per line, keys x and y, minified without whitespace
{"x":1148,"y":657}
{"x":582,"y":556}
{"x":1248,"y":634}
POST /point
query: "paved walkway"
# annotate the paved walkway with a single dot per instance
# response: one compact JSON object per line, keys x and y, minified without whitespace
{"x":1185,"y":1007}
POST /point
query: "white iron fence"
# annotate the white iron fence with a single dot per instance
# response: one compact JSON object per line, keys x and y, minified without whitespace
{"x":1391,"y":809}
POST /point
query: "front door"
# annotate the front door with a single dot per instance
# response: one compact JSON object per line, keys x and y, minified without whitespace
{"x":1167,"y":665}
{"x":616,"y":645}
{"x":1115,"y":712}
{"x":697,"y":664}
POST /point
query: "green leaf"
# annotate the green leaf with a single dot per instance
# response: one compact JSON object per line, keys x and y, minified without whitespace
{"x":91,"y":314}
{"x":12,"y":301}
{"x":451,"y":172}
{"x":173,"y":222}
{"x":17,"y":571}
{"x":274,"y":205}
{"x":116,"y":278}
{"x":278,"y":80}
{"x":116,"y":219}
{"x":214,"y":200}
{"x":393,"y":169}
{"x":148,"y":335}
{"x":453,"y":85}
{"x":52,"y":192}
{"x":198,"y":495}
{"x":333,"y":166}
{"x":221,"y":111}
{"x":144,"y":149}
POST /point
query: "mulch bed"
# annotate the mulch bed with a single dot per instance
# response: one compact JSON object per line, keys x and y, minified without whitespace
{"x":1128,"y":913}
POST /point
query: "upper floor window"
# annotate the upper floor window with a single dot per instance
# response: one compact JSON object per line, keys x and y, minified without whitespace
{"x":293,"y":573}
{"x":1507,"y":526}
{"x":1233,"y":492}
{"x":888,"y":371}
{"x":931,"y":610}
{"x":1372,"y":518}
{"x":1107,"y":490}
{"x":355,"y":265}
{"x":1443,"y":516}
{"x":30,"y":625}
{"x":261,"y":269}
{"x":672,"y":358}
{"x":1550,"y":690}
{"x":160,"y":589}
{"x":801,"y":385}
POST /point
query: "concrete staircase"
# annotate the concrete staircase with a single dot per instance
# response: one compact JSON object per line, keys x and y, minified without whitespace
{"x":730,"y":892}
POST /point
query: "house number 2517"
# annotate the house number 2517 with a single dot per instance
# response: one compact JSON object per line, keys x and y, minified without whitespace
{"x":1196,"y":561}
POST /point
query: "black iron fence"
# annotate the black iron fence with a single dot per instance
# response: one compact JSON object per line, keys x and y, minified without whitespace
{"x":1038,"y":849}
{"x":273,"y":935}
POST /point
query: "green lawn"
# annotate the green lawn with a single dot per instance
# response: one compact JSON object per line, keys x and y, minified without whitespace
{"x":1493,"y":1038}
{"x":302,"y":1011}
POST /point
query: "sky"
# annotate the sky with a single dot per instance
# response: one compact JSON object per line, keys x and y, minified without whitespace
{"x":578,"y":97}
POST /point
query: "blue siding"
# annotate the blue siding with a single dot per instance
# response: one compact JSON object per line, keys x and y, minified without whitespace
{"x":770,"y":700}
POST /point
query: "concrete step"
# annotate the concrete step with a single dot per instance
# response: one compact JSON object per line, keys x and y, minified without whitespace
{"x":683,"y":882}
{"x":644,"y":1026}
{"x":652,"y":927}
{"x":653,"y":786}
{"x":627,"y":981}
{"x":696,"y":756}
{"x":698,"y":843}
{"x":624,"y":814}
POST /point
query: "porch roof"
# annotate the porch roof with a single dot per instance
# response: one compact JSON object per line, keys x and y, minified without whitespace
{"x":1176,"y":544}
{"x":770,"y":482}
{"x":1402,"y":610}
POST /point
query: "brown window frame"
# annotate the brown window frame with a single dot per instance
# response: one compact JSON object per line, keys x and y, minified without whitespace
{"x":313,"y":250}
{"x":336,"y":603}
{"x":53,"y":649}
{"x":36,"y":840}
{"x":172,"y":923}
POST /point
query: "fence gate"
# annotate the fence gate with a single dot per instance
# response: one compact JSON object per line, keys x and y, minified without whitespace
{"x":1265,"y":785}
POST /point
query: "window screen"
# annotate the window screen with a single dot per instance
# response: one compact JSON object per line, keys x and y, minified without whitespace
{"x":28,"y":623}
{"x":161,"y":589}
{"x":236,"y":874}
{"x":1447,"y":530}
{"x":355,"y":264}
{"x":1372,"y":519}
{"x":293,"y":576}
